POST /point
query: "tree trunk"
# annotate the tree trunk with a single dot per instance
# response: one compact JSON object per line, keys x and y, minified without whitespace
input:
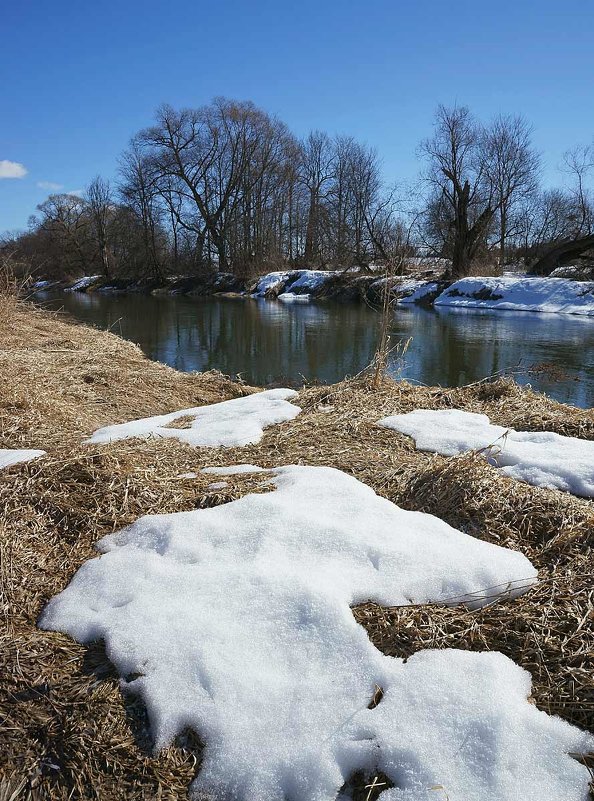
{"x":562,"y":253}
{"x":503,"y":235}
{"x":311,"y":232}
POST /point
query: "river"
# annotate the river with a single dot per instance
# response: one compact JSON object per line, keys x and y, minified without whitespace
{"x":270,"y":342}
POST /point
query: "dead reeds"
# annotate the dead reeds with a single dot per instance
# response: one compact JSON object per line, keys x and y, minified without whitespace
{"x":66,"y":730}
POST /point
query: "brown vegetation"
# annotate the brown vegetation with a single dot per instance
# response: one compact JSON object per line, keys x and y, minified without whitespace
{"x":67,"y":731}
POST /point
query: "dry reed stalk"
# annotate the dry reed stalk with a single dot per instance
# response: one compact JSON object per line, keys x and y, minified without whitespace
{"x":66,"y":731}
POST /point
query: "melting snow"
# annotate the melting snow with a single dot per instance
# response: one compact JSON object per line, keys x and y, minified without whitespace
{"x":235,"y":621}
{"x":217,"y":485}
{"x":291,"y":297}
{"x":236,"y":422}
{"x":293,"y":285}
{"x":82,"y":283}
{"x":521,"y":294}
{"x":234,"y":469}
{"x":541,"y":458}
{"x":9,"y":456}
{"x":271,"y":281}
{"x":420,"y":292}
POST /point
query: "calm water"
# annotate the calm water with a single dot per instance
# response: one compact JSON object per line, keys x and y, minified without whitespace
{"x":267,"y":342}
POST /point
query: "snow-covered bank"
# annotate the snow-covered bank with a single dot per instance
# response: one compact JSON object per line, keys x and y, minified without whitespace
{"x":292,"y":283}
{"x":508,"y":292}
{"x":82,"y":283}
{"x":235,"y":621}
{"x":240,"y":421}
{"x":10,"y":456}
{"x":541,"y":458}
{"x":559,"y":295}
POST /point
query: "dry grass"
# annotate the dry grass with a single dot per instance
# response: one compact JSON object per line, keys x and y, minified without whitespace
{"x":66,"y":731}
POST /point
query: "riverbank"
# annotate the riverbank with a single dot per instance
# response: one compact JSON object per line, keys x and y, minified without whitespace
{"x":504,"y":293}
{"x":68,"y":730}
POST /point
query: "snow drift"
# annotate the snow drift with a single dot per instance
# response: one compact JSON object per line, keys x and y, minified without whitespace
{"x":235,"y":621}
{"x":236,"y":422}
{"x":293,"y":283}
{"x":541,"y":458}
{"x":559,"y":295}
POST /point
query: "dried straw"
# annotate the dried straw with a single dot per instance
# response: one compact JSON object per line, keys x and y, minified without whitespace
{"x":66,"y":731}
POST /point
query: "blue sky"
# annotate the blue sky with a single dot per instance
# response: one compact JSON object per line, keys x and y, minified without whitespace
{"x":78,"y":79}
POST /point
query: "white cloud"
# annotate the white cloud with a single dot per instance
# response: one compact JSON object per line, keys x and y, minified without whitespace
{"x":76,"y":192}
{"x":50,"y":185}
{"x":12,"y":169}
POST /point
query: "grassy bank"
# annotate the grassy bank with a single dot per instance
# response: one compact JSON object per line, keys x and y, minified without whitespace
{"x":67,"y":731}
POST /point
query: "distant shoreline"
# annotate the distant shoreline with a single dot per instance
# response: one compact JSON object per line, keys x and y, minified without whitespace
{"x":505,"y":293}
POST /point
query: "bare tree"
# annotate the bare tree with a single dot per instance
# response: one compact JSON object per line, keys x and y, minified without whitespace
{"x":458,"y":183}
{"x":139,"y":191}
{"x":63,"y":222}
{"x":316,"y":173}
{"x":99,"y":203}
{"x":511,"y":167}
{"x":579,"y":164}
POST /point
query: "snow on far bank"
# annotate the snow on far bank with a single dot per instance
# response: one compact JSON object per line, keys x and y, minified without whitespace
{"x":560,"y":295}
{"x":291,"y":297}
{"x":310,"y":280}
{"x":236,"y":422}
{"x":82,"y":283}
{"x":405,"y":290}
{"x":235,"y":621}
{"x":39,"y":286}
{"x":541,"y":458}
{"x":10,"y":456}
{"x":271,"y":281}
{"x":293,"y":284}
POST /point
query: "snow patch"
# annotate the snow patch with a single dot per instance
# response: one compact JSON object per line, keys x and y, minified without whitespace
{"x":234,"y":469}
{"x":559,"y":295}
{"x":236,"y":422}
{"x":82,"y":283}
{"x":270,"y":282}
{"x":236,"y":622}
{"x":293,"y":285}
{"x":310,"y":280}
{"x":541,"y":458}
{"x":461,"y":721}
{"x":420,"y":292}
{"x":291,"y":297}
{"x":10,"y":456}
{"x":217,"y":485}
{"x":405,"y":290}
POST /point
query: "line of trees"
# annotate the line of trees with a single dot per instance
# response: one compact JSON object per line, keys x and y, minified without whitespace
{"x":228,"y":188}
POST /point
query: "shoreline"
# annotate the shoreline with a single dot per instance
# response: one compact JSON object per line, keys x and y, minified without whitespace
{"x":505,"y":293}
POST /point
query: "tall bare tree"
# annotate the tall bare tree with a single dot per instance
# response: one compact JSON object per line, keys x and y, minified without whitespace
{"x":511,"y":167}
{"x":316,"y":173}
{"x":100,"y":203}
{"x":456,"y":174}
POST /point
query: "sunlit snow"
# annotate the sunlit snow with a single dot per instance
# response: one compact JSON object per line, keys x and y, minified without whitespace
{"x":541,"y":458}
{"x":10,"y":456}
{"x":235,"y":621}
{"x":236,"y":422}
{"x":521,"y":293}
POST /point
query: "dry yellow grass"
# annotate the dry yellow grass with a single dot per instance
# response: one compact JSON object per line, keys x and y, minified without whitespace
{"x":66,"y":731}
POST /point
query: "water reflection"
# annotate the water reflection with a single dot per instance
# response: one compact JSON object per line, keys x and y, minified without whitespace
{"x":269,"y":342}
